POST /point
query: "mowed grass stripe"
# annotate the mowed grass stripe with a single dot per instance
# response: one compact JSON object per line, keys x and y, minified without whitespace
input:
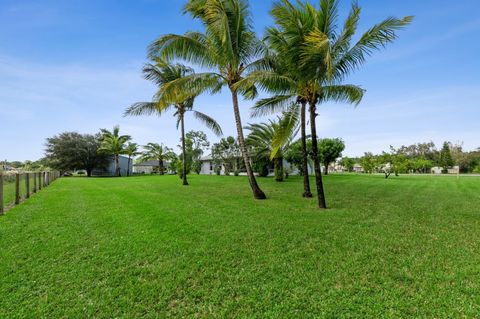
{"x":148,"y":247}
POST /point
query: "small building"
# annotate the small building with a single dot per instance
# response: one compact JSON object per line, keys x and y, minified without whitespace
{"x":150,"y":167}
{"x":208,"y":166}
{"x":109,"y":169}
{"x":357,"y":168}
{"x":440,"y":170}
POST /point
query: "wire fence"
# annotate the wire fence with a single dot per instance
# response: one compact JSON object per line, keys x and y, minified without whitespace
{"x":18,"y":187}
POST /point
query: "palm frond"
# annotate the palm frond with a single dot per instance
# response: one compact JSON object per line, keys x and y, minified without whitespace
{"x":208,"y":122}
{"x":271,"y":105}
{"x":341,"y":93}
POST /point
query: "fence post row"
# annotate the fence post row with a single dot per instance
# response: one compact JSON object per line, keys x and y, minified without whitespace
{"x":39,"y":179}
{"x":17,"y":188}
{"x":27,"y":185}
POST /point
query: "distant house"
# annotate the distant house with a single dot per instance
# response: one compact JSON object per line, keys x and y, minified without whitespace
{"x":439,"y":170}
{"x":150,"y":167}
{"x":357,"y":168}
{"x":208,"y":167}
{"x":109,"y":169}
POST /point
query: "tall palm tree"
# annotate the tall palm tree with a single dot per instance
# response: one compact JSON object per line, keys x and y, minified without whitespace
{"x":131,"y":151}
{"x":316,"y":58}
{"x":159,"y":152}
{"x":262,"y":139}
{"x":112,"y":143}
{"x":229,"y":46}
{"x":162,"y":73}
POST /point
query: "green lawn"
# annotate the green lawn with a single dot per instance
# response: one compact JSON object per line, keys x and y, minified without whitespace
{"x":404,"y":247}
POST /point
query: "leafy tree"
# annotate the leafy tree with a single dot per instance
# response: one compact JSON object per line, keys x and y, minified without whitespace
{"x":228,"y":45}
{"x":112,"y":143}
{"x":329,"y":150}
{"x":445,"y":159}
{"x":131,"y":151}
{"x":226,"y":151}
{"x":198,"y":144}
{"x":368,"y":162}
{"x":70,"y":150}
{"x":348,"y":163}
{"x":163,"y":74}
{"x":421,"y":165}
{"x":159,"y":152}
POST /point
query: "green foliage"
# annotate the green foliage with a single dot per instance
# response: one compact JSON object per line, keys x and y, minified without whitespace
{"x":347,"y":163}
{"x":329,"y":149}
{"x":369,"y":163}
{"x":227,"y":153}
{"x":159,"y":152}
{"x":445,"y":159}
{"x":70,"y":150}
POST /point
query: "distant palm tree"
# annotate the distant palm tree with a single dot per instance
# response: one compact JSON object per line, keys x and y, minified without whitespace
{"x":228,"y":45}
{"x":309,"y":58}
{"x":264,"y":140}
{"x":131,"y":150}
{"x":112,"y":143}
{"x":162,"y":73}
{"x":159,"y":152}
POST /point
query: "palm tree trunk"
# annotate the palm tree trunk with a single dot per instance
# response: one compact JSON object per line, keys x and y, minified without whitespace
{"x":306,"y":180}
{"x":257,"y":192}
{"x":278,"y":169}
{"x":117,"y":166}
{"x":128,"y":166}
{"x":160,"y":166}
{"x":316,"y":161}
{"x":184,"y":155}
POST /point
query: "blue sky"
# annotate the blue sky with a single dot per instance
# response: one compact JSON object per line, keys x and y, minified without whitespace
{"x":75,"y":65}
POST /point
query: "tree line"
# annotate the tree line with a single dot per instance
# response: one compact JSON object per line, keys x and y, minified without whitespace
{"x":417,"y":158}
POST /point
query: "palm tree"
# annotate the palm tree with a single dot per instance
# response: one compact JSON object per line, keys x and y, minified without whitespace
{"x":314,"y":59}
{"x":112,"y":143}
{"x":160,"y":152}
{"x":264,"y":140}
{"x":131,"y":150}
{"x":228,"y":45}
{"x":162,"y":73}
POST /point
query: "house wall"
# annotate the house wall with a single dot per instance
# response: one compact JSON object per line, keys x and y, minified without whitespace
{"x":142,"y":169}
{"x":110,"y":169}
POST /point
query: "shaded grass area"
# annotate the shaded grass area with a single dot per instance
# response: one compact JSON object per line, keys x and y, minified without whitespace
{"x":148,"y":247}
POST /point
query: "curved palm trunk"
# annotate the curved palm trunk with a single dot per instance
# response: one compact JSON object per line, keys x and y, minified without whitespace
{"x":316,"y":161}
{"x":257,"y":192}
{"x":278,"y":169}
{"x":184,"y":156}
{"x":306,"y":180}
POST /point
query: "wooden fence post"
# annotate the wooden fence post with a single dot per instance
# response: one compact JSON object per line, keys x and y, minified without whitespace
{"x":17,"y":188}
{"x":27,"y":185}
{"x":1,"y":194}
{"x":34,"y":182}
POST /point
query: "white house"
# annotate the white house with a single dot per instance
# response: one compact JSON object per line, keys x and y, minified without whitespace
{"x":150,"y":167}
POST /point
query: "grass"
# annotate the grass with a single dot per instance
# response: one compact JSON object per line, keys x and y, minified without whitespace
{"x":148,"y":247}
